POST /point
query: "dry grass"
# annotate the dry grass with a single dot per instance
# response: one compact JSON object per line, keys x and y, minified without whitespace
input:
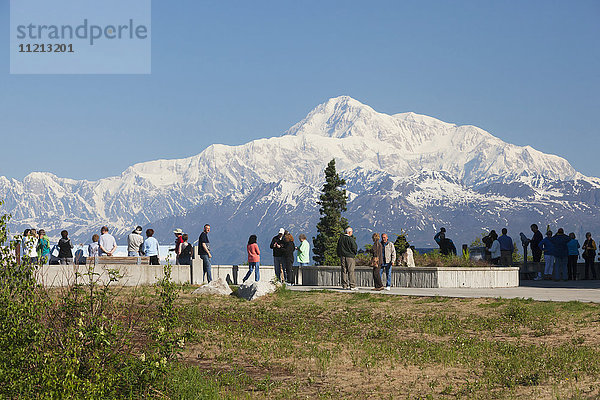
{"x":335,"y":345}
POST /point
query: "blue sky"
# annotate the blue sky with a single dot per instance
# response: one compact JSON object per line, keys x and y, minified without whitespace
{"x":230,"y":72}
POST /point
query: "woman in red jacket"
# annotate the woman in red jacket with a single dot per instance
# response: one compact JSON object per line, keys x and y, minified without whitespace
{"x":253,"y":258}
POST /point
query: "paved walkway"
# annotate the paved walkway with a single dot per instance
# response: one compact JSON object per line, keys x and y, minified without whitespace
{"x":587,"y":291}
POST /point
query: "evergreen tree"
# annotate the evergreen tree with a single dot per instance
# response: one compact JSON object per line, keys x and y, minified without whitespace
{"x":332,"y":203}
{"x":401,"y":244}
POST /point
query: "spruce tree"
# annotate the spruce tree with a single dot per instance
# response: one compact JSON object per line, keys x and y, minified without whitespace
{"x":332,"y":203}
{"x":401,"y":244}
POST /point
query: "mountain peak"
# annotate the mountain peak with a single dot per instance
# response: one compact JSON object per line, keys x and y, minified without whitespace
{"x":338,"y":117}
{"x":344,"y":116}
{"x":343,"y":101}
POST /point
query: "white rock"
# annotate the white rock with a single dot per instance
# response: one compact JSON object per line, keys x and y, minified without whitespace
{"x":254,"y":290}
{"x":218,"y":286}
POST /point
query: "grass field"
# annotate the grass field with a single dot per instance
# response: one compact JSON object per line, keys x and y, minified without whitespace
{"x":329,"y":345}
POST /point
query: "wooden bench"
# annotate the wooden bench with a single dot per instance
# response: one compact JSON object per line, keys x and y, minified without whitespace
{"x":120,"y":260}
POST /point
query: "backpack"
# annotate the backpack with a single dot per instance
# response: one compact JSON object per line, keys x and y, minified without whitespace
{"x":187,"y":251}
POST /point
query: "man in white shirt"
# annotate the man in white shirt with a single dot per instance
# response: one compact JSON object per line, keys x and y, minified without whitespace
{"x":107,"y":243}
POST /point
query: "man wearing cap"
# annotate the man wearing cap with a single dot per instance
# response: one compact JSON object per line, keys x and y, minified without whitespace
{"x":178,"y":240}
{"x":135,"y":240}
{"x":279,"y":255}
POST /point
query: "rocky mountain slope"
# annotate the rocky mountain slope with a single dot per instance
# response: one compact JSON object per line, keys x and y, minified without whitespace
{"x":403,"y":171}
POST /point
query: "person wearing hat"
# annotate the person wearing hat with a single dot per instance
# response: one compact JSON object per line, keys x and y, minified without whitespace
{"x":135,"y":240}
{"x":278,"y":246}
{"x":178,"y":240}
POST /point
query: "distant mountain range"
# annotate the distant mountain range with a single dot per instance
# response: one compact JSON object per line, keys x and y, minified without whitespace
{"x":405,"y":172}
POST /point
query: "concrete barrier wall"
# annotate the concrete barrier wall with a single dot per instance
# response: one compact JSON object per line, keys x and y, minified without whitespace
{"x":419,"y":277}
{"x":478,"y":277}
{"x":134,"y":275}
{"x":131,"y":275}
{"x":234,"y":274}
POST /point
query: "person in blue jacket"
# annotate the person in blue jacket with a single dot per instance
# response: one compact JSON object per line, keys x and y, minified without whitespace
{"x":547,"y":247}
{"x":573,"y":246}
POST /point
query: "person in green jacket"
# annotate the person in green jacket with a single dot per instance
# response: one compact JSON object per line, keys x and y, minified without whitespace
{"x":346,"y":251}
{"x":303,"y":251}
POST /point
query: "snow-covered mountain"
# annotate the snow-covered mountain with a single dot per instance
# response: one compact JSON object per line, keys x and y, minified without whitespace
{"x":403,"y":171}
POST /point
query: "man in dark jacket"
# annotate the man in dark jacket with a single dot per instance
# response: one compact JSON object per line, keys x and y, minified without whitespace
{"x":346,"y":251}
{"x":278,"y":245}
{"x":447,"y":246}
{"x":561,"y":254}
{"x":536,"y":252}
{"x":506,"y":248}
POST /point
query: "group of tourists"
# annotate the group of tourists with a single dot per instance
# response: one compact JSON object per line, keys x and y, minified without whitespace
{"x":383,"y":257}
{"x":283,"y":247}
{"x":560,"y":251}
{"x":137,"y":246}
{"x":35,"y":246}
{"x":282,"y":244}
{"x":184,"y":251}
{"x":37,"y":249}
{"x":499,"y":249}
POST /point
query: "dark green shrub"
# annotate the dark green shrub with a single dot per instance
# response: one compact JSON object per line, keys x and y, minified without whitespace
{"x":78,"y":341}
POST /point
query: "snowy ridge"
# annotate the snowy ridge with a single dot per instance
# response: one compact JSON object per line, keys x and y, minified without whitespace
{"x":395,"y":165}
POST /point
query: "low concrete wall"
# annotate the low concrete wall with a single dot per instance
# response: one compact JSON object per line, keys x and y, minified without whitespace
{"x":235,"y":273}
{"x":134,"y":275}
{"x":420,"y":277}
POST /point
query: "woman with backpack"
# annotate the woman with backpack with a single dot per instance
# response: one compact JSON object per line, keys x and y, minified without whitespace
{"x":65,"y":247}
{"x":185,"y":251}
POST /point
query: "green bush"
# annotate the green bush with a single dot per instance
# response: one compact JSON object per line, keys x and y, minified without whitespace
{"x":436,"y":259}
{"x":79,"y":341}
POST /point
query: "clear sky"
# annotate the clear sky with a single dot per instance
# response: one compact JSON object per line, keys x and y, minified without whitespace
{"x":230,"y":72}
